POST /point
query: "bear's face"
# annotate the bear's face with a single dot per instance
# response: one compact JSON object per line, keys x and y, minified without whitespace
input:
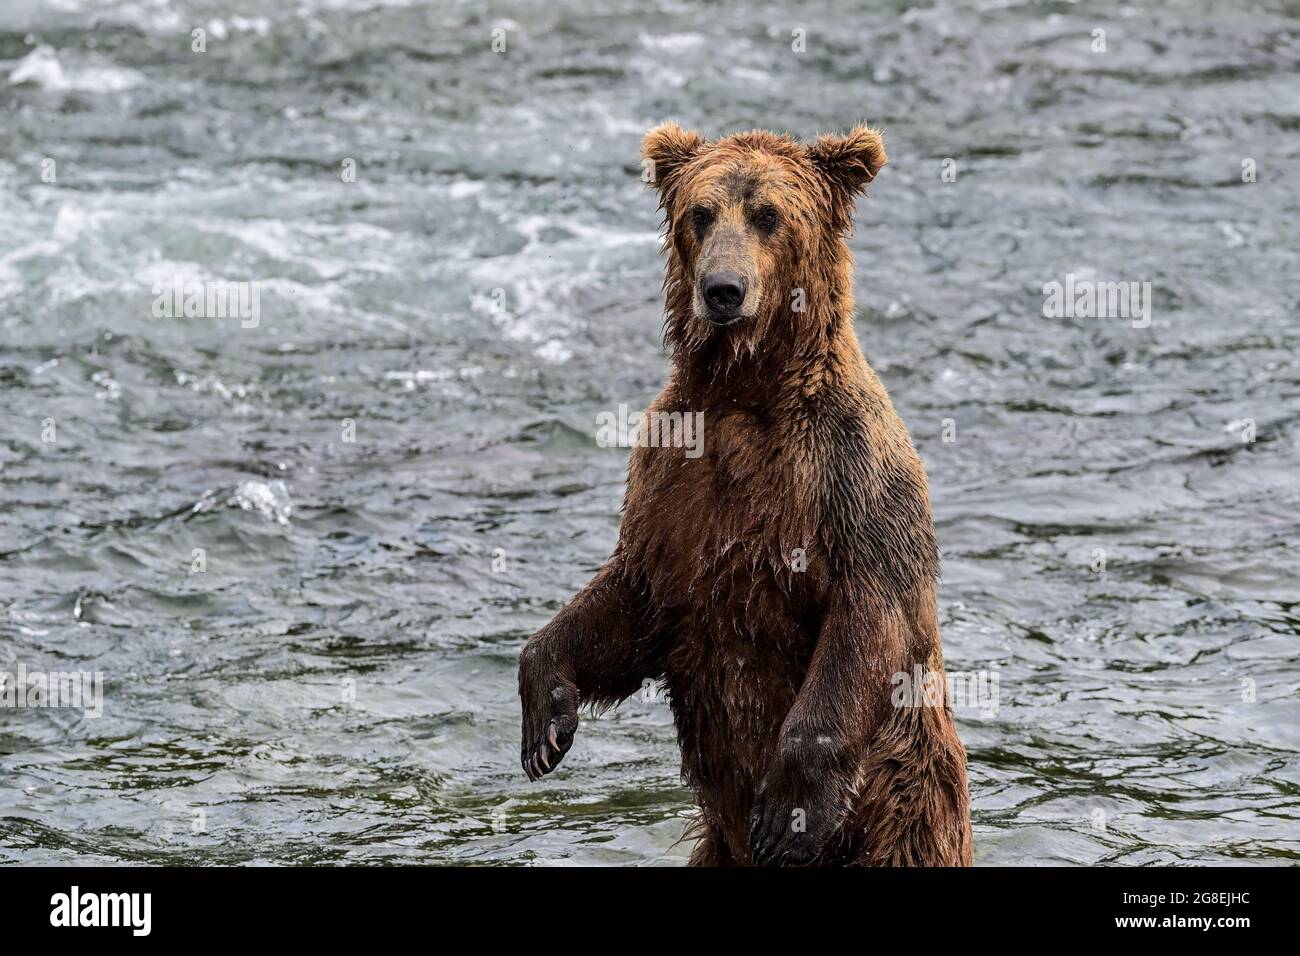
{"x":746,"y":215}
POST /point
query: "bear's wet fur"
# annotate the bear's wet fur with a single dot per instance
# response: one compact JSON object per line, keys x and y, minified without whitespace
{"x":780,"y":582}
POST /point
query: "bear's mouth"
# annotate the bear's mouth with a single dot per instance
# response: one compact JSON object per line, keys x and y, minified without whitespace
{"x":723,"y":319}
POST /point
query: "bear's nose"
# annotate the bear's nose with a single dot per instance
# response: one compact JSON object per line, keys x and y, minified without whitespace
{"x":723,"y":291}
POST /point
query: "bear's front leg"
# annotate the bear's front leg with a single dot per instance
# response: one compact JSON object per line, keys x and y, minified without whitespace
{"x":810,"y":786}
{"x":802,"y":800}
{"x":598,"y":649}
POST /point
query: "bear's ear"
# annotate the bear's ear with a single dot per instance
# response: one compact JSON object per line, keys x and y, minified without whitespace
{"x":665,"y":150}
{"x":849,"y":162}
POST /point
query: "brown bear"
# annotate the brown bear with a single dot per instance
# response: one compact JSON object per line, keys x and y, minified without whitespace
{"x":782,"y":582}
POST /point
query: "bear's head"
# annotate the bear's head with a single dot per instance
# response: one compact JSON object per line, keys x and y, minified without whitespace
{"x":755,"y":227}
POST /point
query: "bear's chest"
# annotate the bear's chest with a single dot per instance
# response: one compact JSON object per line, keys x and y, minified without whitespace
{"x":727,"y":540}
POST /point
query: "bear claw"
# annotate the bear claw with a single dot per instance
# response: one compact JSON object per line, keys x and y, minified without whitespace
{"x":550,"y":712}
{"x":547,"y":752}
{"x":774,"y":841}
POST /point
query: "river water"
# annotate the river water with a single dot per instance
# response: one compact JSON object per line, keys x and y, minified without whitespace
{"x":304,"y":549}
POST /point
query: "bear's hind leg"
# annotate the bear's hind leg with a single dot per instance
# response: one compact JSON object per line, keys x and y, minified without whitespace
{"x":915,"y":800}
{"x":710,"y":848}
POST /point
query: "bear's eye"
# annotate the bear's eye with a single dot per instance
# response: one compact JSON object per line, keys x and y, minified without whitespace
{"x":701,"y":219}
{"x":766,"y":219}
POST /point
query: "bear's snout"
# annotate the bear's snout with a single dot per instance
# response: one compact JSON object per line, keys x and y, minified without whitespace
{"x":724,"y":293}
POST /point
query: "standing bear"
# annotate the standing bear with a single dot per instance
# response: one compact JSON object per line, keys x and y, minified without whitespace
{"x":781,"y":584}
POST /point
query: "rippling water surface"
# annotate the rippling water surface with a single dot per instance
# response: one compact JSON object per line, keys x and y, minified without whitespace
{"x":338,"y":684}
